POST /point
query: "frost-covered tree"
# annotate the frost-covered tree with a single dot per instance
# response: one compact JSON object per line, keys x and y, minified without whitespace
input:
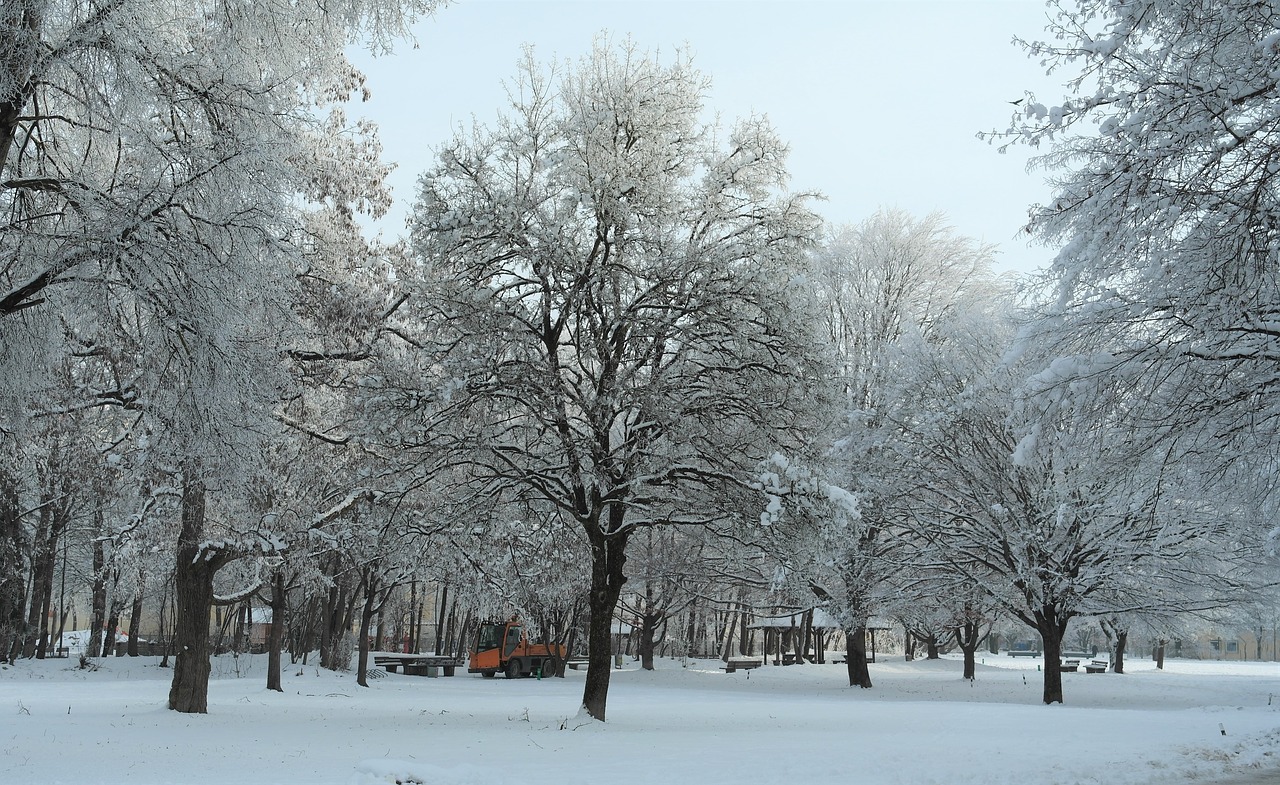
{"x":883,"y":284}
{"x":1053,"y":515}
{"x":1165,"y":158}
{"x":609,"y":295}
{"x":154,"y":162}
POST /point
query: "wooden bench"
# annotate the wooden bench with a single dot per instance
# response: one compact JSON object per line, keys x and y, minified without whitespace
{"x":425,"y":665}
{"x":1069,"y":666}
{"x":1097,"y":666}
{"x":390,"y":663}
{"x":1025,"y":653}
{"x":575,"y":663}
{"x":741,"y":663}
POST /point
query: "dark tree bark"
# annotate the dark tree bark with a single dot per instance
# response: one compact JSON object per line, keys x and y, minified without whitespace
{"x":275,"y":639}
{"x":368,"y":611}
{"x":1118,"y":636}
{"x":968,"y":636}
{"x":856,"y":645}
{"x":466,"y":633}
{"x":725,"y":630}
{"x":691,"y":630}
{"x":98,"y":611}
{"x":46,"y":592}
{"x":304,"y":630}
{"x":1159,"y":654}
{"x":42,"y":562}
{"x":165,"y":635}
{"x":415,"y":618}
{"x":111,"y":631}
{"x":931,"y":646}
{"x":442,"y":614}
{"x":328,"y":610}
{"x":337,"y":620}
{"x":12,"y":581}
{"x":375,"y":599}
{"x":135,"y":619}
{"x":1122,"y":640}
{"x":608,"y":556}
{"x":26,"y":18}
{"x":806,"y":638}
{"x":1051,"y":622}
{"x":193,"y":579}
{"x":380,"y":637}
{"x":651,"y":628}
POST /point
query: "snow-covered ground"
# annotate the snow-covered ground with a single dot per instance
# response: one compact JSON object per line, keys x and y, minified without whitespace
{"x":684,"y":723}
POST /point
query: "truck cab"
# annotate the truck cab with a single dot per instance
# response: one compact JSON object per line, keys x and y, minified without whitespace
{"x":502,"y":646}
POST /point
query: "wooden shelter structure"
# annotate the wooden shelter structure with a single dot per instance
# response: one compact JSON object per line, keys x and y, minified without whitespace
{"x":796,"y":636}
{"x":805,"y":633}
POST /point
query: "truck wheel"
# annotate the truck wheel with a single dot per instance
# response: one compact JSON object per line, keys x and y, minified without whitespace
{"x":513,"y":669}
{"x":488,"y":674}
{"x":550,"y":667}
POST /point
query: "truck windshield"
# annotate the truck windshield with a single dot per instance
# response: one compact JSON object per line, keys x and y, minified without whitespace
{"x":490,"y":637}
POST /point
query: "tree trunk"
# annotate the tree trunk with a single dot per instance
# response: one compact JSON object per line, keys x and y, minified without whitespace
{"x":135,"y":619}
{"x":806,"y":638}
{"x":380,"y":635}
{"x":415,"y":619}
{"x":967,"y":638}
{"x":727,"y":633}
{"x":12,"y":585}
{"x":98,"y":612}
{"x":111,"y":632}
{"x":608,"y":556}
{"x":193,"y":579}
{"x":1052,"y":625}
{"x":275,"y":638}
{"x":645,"y":644}
{"x":19,"y":64}
{"x":165,"y":636}
{"x":327,"y":623}
{"x":335,"y":653}
{"x":908,"y":644}
{"x":466,"y":633}
{"x":1159,"y":655}
{"x":856,"y":645}
{"x":691,"y":630}
{"x":442,"y":605}
{"x":1122,"y":640}
{"x":367,"y":612}
{"x":40,"y":556}
{"x":46,"y":606}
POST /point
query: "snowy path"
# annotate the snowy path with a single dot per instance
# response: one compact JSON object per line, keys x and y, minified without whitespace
{"x":921,"y":725}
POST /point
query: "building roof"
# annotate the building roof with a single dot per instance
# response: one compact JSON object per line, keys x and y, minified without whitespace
{"x":821,"y":620}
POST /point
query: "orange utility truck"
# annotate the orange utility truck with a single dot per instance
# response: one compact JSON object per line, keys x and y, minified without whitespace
{"x":502,"y":646}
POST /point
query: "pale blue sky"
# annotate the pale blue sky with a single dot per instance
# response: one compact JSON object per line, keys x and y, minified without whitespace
{"x":880,"y":101}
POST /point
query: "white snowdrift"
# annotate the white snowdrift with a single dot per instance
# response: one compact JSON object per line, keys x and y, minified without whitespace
{"x":684,"y":723}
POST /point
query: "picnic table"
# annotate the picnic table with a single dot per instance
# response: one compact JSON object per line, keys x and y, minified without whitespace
{"x":742,"y":663}
{"x":417,"y":664}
